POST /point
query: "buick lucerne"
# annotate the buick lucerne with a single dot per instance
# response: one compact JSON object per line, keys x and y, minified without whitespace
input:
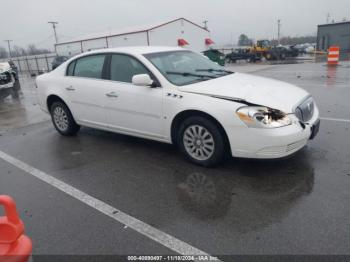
{"x":177,"y":96}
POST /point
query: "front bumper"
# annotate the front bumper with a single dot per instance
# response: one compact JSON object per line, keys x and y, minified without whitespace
{"x":272,"y":143}
{"x":8,"y":85}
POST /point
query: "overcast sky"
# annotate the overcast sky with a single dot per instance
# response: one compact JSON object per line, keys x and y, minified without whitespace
{"x":25,"y":21}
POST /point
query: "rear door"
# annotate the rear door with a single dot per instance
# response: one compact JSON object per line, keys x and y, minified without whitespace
{"x":86,"y":89}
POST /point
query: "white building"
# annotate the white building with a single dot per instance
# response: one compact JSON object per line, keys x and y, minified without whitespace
{"x":178,"y":32}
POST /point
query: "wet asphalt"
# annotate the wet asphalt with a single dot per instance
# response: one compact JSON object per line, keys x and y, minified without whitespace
{"x":293,"y":206}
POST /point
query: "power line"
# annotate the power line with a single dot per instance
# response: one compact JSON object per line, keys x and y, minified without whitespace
{"x":9,"y":46}
{"x":39,"y":43}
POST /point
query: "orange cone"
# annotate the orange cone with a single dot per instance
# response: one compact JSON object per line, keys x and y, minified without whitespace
{"x":333,"y":55}
{"x":14,"y":245}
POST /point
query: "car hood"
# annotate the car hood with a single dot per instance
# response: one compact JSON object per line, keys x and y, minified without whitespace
{"x":4,"y":67}
{"x":252,"y":89}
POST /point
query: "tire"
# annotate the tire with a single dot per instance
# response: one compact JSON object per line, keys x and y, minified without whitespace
{"x":63,"y":120}
{"x":206,"y":146}
{"x":17,"y":85}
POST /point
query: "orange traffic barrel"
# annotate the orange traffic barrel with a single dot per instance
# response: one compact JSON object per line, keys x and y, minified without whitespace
{"x":333,"y":55}
{"x":14,"y":245}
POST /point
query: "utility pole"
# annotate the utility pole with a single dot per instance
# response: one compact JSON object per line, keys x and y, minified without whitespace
{"x":9,"y":46}
{"x":54,"y":29}
{"x":279,"y":31}
{"x":205,"y":22}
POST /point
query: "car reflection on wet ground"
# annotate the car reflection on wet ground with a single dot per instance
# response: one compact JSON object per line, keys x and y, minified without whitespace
{"x":297,"y":205}
{"x":266,"y":194}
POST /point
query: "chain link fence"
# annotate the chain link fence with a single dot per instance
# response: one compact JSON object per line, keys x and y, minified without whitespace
{"x":35,"y":64}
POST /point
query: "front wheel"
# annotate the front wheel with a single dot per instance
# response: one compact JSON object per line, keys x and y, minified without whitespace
{"x":201,"y":141}
{"x":63,"y":120}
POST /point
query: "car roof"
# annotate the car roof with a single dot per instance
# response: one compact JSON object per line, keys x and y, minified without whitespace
{"x":137,"y":50}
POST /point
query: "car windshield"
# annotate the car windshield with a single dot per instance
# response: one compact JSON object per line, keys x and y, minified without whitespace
{"x":186,"y":67}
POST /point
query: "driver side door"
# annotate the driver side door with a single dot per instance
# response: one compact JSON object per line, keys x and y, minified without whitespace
{"x":132,"y":109}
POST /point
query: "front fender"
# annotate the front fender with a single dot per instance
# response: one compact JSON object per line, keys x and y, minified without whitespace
{"x":221,"y":110}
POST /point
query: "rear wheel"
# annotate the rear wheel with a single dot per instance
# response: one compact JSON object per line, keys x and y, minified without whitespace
{"x":63,"y":120}
{"x":201,"y":141}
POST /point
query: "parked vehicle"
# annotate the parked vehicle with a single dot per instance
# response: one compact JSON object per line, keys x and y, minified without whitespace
{"x":177,"y":96}
{"x":306,"y":48}
{"x":9,"y":83}
{"x":58,"y":60}
{"x":14,"y":69}
{"x":265,"y":49}
{"x":7,"y":76}
{"x":215,"y":56}
{"x":291,"y":51}
{"x":241,"y":54}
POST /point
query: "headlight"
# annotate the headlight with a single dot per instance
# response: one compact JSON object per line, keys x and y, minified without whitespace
{"x":3,"y":76}
{"x":263,"y":117}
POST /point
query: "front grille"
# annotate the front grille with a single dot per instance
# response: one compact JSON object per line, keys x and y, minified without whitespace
{"x":305,"y":110}
{"x":5,"y":78}
{"x":281,"y":150}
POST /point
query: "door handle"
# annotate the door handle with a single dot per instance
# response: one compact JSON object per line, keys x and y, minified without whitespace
{"x":70,"y":88}
{"x":111,"y":94}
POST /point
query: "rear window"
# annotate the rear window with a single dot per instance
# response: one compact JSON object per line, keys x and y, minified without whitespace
{"x":89,"y":66}
{"x":70,"y":70}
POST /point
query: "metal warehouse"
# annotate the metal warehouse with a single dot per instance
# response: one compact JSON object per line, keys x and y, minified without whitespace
{"x":178,"y":32}
{"x":334,"y":34}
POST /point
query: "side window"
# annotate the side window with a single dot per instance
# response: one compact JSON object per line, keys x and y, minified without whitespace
{"x":124,"y":67}
{"x":70,"y":69}
{"x":90,"y":66}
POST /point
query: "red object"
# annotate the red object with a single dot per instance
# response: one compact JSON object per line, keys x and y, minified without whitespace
{"x":208,"y":41}
{"x":14,"y":246}
{"x":182,"y":42}
{"x":333,"y":55}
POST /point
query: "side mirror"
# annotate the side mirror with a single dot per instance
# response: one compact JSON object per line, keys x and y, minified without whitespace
{"x":142,"y":80}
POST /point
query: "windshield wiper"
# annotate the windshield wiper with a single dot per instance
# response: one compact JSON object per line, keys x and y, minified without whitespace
{"x":210,"y":70}
{"x":186,"y":74}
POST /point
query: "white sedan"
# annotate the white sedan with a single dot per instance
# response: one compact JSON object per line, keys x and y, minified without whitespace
{"x":177,"y":96}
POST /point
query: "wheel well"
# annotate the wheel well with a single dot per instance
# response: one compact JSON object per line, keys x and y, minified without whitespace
{"x":51,"y":99}
{"x":179,"y":118}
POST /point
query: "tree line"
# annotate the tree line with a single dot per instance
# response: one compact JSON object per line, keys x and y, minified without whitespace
{"x":17,"y":51}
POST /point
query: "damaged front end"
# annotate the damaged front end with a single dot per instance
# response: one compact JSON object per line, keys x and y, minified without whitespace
{"x":263,"y":117}
{"x":257,"y":116}
{"x":7,"y":78}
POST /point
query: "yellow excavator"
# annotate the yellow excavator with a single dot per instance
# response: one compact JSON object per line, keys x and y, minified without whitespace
{"x":264,"y":49}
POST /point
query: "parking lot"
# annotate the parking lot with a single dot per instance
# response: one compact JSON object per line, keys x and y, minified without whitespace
{"x":101,"y":193}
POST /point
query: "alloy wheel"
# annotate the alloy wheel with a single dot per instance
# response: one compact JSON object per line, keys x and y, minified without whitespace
{"x":60,"y":118}
{"x":199,"y":142}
